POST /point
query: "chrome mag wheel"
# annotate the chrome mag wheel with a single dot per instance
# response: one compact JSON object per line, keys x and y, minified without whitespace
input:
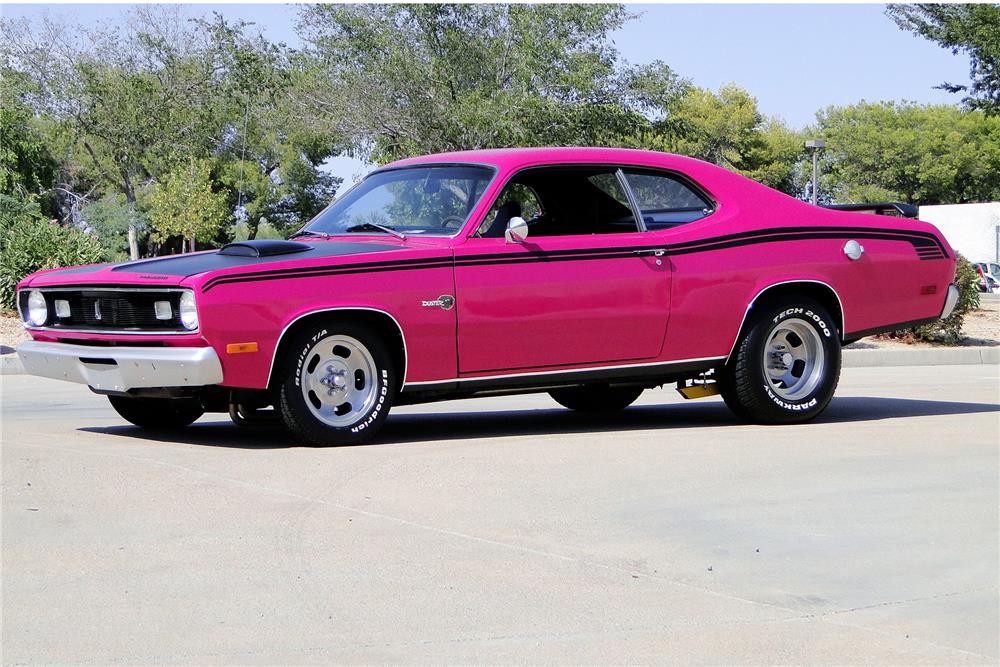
{"x":339,"y":382}
{"x":794,"y":359}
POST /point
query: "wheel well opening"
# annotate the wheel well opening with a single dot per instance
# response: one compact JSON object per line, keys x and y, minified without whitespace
{"x":819,"y":292}
{"x":382,"y":323}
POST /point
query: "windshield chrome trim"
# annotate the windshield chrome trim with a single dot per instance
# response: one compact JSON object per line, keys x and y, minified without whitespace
{"x":419,"y":165}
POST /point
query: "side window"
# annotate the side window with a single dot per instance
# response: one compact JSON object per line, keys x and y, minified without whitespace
{"x":515,"y":200}
{"x":666,"y":201}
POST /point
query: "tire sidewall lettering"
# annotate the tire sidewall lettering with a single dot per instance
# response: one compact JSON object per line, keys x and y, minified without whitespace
{"x":382,"y":377}
{"x":818,"y":322}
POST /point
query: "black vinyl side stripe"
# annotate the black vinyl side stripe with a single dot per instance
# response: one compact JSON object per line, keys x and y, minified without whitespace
{"x":927,"y":246}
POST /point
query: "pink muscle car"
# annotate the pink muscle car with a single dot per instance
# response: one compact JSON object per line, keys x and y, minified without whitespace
{"x":590,"y":274}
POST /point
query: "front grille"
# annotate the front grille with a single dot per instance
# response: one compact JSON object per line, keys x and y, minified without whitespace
{"x":112,"y":310}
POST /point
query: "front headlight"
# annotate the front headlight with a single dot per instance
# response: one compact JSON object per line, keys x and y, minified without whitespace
{"x":189,"y":313}
{"x":38,"y":310}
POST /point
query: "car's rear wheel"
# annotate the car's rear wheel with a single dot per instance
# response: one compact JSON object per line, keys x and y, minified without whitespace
{"x":596,"y":398}
{"x":786,"y":367}
{"x":157,"y":413}
{"x":338,"y":385}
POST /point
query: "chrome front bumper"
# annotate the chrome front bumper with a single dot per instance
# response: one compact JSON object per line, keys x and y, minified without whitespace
{"x":122,"y":368}
{"x":949,"y":301}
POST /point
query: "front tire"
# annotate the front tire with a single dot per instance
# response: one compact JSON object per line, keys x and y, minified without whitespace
{"x":596,"y":398}
{"x":787,"y":366}
{"x":339,"y":383}
{"x":162,"y":414}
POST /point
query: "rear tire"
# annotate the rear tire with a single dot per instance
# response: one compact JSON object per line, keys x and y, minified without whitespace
{"x":339,"y":383}
{"x":596,"y":398}
{"x":786,"y":367}
{"x":161,"y":414}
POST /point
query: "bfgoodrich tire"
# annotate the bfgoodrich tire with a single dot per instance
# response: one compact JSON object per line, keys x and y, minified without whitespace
{"x":786,"y":367}
{"x":596,"y":398}
{"x":157,"y":413}
{"x":338,"y":384}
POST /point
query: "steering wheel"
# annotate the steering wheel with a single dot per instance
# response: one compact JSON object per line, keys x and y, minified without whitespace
{"x":452,"y":222}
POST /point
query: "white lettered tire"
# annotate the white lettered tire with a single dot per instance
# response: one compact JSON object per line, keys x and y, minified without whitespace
{"x":338,"y":383}
{"x":786,"y":367}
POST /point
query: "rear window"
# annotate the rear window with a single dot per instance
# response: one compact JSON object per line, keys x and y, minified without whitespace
{"x":665,"y":200}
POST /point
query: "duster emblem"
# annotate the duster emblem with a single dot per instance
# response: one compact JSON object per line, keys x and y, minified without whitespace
{"x":445,"y":301}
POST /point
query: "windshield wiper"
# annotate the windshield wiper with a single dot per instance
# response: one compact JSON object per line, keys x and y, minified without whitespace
{"x":374,"y":225}
{"x":307,"y":232}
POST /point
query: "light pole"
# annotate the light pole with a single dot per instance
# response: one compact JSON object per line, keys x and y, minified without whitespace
{"x":815,"y":145}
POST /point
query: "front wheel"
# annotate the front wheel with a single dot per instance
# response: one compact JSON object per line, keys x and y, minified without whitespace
{"x":339,"y":383}
{"x":157,"y":413}
{"x":786,"y":368}
{"x":596,"y":398}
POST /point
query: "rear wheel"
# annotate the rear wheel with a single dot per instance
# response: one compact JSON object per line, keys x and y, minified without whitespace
{"x":339,"y":383}
{"x":786,"y":367}
{"x":157,"y":413}
{"x":596,"y":398}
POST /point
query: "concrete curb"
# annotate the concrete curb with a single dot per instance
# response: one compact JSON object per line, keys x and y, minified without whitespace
{"x":10,"y":364}
{"x":921,"y":356}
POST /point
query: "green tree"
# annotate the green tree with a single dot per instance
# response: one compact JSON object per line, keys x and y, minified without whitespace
{"x":184,"y":205}
{"x":934,"y":154}
{"x":26,"y":166}
{"x":109,"y":219}
{"x":970,"y":28}
{"x":29,"y":243}
{"x":399,"y":80}
{"x":727,"y":129}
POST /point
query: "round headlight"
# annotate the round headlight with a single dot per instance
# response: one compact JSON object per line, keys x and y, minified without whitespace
{"x":38,"y":311}
{"x":189,"y":314}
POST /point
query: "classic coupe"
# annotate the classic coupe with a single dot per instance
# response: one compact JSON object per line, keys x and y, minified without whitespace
{"x":590,"y":274}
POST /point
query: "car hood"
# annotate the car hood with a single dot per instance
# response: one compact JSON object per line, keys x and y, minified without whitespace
{"x":249,"y":256}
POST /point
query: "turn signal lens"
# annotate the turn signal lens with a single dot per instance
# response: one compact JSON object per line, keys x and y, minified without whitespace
{"x":188,"y":311}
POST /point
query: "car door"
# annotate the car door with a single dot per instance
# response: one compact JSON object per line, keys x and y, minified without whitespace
{"x":584,"y":289}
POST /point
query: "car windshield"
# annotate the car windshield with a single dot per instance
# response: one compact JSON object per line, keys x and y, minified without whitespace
{"x":429,"y":200}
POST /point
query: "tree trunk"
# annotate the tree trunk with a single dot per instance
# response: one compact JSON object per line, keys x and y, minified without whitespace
{"x":133,"y":235}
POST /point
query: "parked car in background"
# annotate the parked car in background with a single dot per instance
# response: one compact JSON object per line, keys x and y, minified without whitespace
{"x":590,"y":274}
{"x":990,"y":271}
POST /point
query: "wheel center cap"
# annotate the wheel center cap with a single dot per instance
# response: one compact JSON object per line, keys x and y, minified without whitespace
{"x":335,"y":380}
{"x":786,"y":359}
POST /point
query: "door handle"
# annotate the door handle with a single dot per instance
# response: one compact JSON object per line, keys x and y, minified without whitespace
{"x":650,"y":252}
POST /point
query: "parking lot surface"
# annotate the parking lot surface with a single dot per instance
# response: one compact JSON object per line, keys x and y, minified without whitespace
{"x":509,"y":530}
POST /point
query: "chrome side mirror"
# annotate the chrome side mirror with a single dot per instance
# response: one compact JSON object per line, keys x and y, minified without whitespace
{"x":517,"y":230}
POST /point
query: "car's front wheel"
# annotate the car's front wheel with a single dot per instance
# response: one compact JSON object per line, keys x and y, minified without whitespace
{"x":786,"y":367}
{"x":157,"y":413}
{"x":338,"y":385}
{"x":596,"y":398}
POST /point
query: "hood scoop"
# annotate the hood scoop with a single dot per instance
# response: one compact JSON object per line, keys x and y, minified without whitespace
{"x":263,"y":248}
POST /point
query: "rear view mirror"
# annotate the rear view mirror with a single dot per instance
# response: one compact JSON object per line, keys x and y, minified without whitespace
{"x":517,"y":230}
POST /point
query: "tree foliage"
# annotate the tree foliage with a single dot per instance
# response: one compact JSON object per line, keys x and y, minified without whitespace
{"x":184,"y":205}
{"x":401,"y":80}
{"x":29,"y":243}
{"x":936,"y":154}
{"x":970,"y":28}
{"x":26,"y":166}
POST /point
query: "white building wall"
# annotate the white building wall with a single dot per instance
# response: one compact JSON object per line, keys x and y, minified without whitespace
{"x":971,"y":229}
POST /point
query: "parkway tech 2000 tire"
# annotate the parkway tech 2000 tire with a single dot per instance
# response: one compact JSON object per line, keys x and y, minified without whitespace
{"x":786,"y":367}
{"x":157,"y":413}
{"x":338,"y":383}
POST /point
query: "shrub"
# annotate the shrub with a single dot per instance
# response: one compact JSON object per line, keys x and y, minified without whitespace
{"x":28,"y":243}
{"x":950,"y":330}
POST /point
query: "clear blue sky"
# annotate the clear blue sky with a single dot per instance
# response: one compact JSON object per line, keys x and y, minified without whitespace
{"x":796,"y":59}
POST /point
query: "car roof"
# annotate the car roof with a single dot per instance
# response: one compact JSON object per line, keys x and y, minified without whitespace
{"x":515,"y":158}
